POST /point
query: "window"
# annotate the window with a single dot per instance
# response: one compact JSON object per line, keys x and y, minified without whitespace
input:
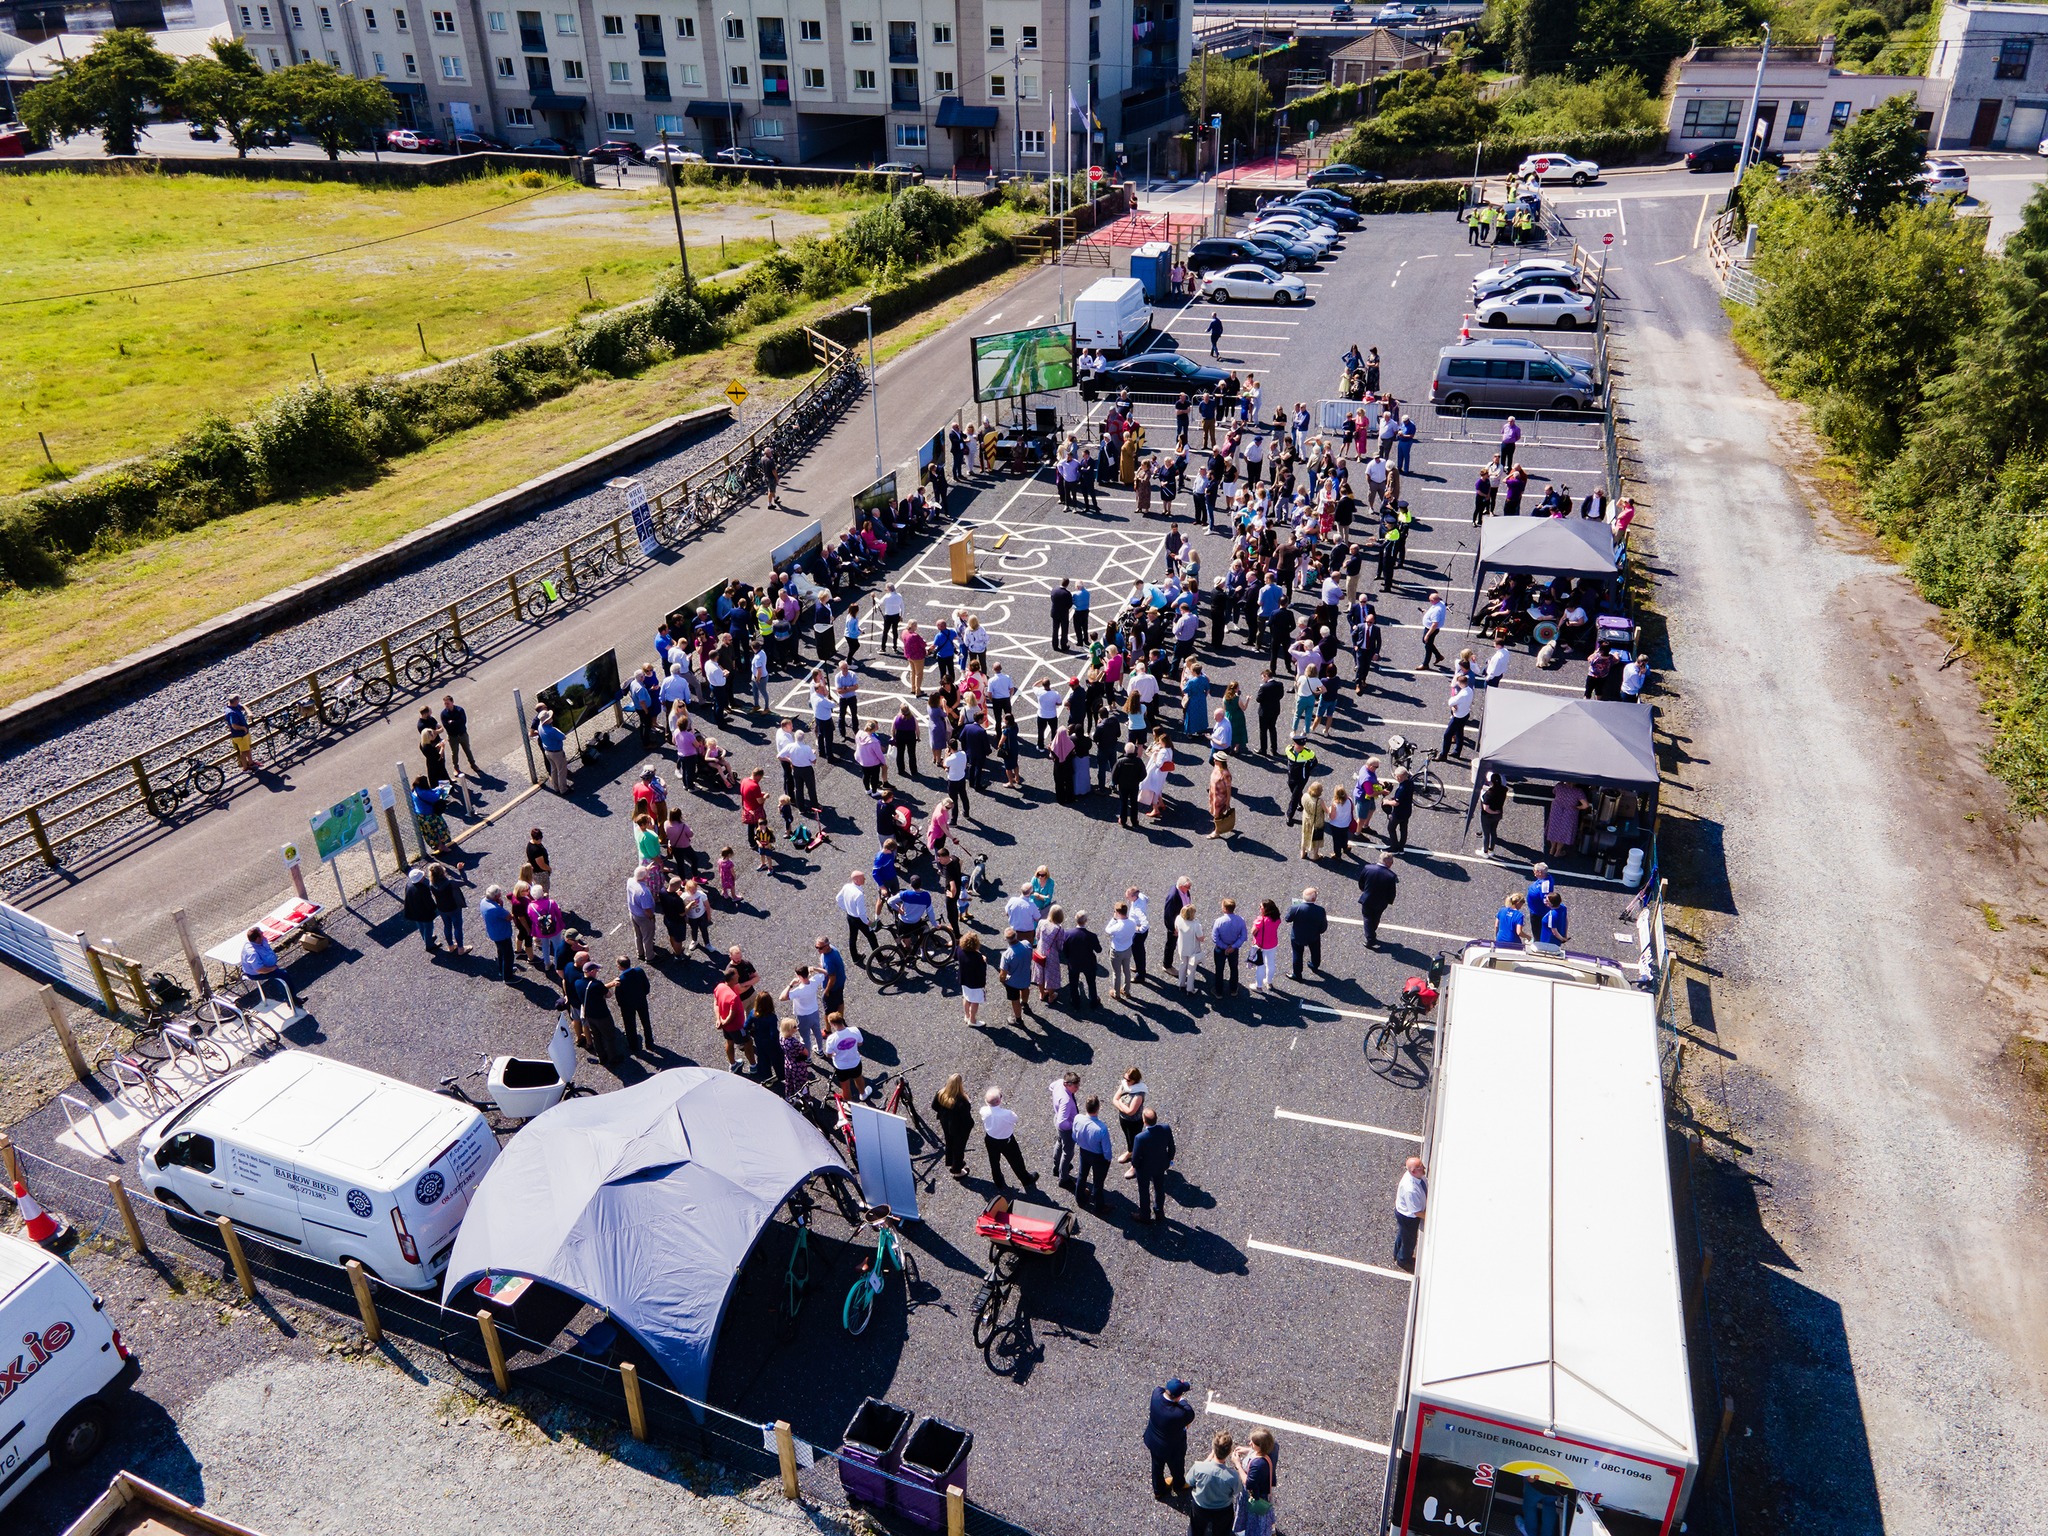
{"x":565,"y":23}
{"x":444,"y":21}
{"x":1712,"y":117}
{"x":519,"y":117}
{"x":910,"y":136}
{"x":614,"y":26}
{"x":621,"y":72}
{"x":333,"y":59}
{"x":326,"y":19}
{"x":297,"y":19}
{"x":451,"y":67}
{"x":2014,"y":54}
{"x":190,"y":1150}
{"x":902,"y":42}
{"x":775,"y":82}
{"x":572,"y":69}
{"x":505,"y":69}
{"x":275,"y":63}
{"x":1838,"y":119}
{"x":531,"y":38}
{"x":769,"y":39}
{"x":863,"y":32}
{"x":1027,"y":87}
{"x":618,"y":122}
{"x":942,"y":81}
{"x":376,"y":62}
{"x":810,"y":31}
{"x":995,"y":40}
{"x":412,"y":66}
{"x":1030,"y":39}
{"x":495,"y":20}
{"x":942,"y":33}
{"x":540,"y":75}
{"x":369,"y":21}
{"x":403,"y":19}
{"x":1094,"y":37}
{"x":998,"y":86}
{"x":814,"y":79}
{"x":736,"y":27}
{"x":768,"y":128}
{"x":1031,"y":141}
{"x":689,"y":75}
{"x":265,"y":13}
{"x":686,"y":26}
{"x":738,"y":75}
{"x":863,"y":79}
{"x":245,"y":16}
{"x":654,"y":82}
{"x":903,"y":95}
{"x":1795,"y":123}
{"x":668,"y":123}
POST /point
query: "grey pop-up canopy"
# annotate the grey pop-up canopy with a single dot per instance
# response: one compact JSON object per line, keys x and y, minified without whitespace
{"x":1530,"y":735}
{"x":1543,"y":546}
{"x":644,"y":1202}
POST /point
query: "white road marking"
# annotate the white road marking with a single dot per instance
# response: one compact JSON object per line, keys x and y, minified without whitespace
{"x":1432,"y":256}
{"x":1223,"y":1410}
{"x":1345,"y":1125}
{"x":1621,"y":211}
{"x":1427,"y":933}
{"x":1327,"y":1258}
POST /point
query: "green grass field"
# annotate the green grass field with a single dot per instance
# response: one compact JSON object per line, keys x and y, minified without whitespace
{"x":117,"y":374}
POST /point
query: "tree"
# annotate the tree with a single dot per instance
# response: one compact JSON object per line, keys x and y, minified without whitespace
{"x":339,"y":110}
{"x":1869,"y":168}
{"x":230,"y":89}
{"x":1236,"y":89}
{"x":105,"y":92}
{"x":1546,"y":35}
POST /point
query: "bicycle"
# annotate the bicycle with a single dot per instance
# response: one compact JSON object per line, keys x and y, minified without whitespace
{"x":1010,"y":1238}
{"x":432,"y":652}
{"x":889,"y":1254}
{"x":200,"y":777}
{"x":796,"y":1277}
{"x":357,"y":690}
{"x":1429,"y":789}
{"x":594,"y":567}
{"x":1408,"y":1017}
{"x":901,"y":951}
{"x":295,"y":723}
{"x":541,"y":599}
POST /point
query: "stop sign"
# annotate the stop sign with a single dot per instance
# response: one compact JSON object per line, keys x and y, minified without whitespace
{"x":1095,"y":173}
{"x":1608,"y":238}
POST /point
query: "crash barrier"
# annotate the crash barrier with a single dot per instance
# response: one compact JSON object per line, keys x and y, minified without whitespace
{"x":74,"y":961}
{"x":462,"y":1350}
{"x":188,"y":771}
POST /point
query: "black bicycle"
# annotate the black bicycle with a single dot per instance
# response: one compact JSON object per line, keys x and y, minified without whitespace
{"x":899,"y":953}
{"x":169,"y":787}
{"x":1408,"y":1019}
{"x":1429,"y":789}
{"x":432,"y":652}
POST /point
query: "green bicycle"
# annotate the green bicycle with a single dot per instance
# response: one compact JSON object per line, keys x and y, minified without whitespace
{"x":889,"y":1254}
{"x":796,"y":1278}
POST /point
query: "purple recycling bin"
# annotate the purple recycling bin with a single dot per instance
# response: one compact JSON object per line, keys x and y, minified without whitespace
{"x":870,"y":1453}
{"x":933,"y":1460}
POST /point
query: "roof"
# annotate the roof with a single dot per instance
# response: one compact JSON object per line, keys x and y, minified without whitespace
{"x":1547,"y":546}
{"x":1382,"y":46}
{"x":955,"y":113}
{"x":1548,"y":1292}
{"x":644,"y":1202}
{"x":1530,"y":735}
{"x":39,"y":61}
{"x":713,"y":109}
{"x":297,"y":1106}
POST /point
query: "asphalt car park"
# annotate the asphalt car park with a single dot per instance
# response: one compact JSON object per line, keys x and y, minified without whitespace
{"x":1270,"y":1284}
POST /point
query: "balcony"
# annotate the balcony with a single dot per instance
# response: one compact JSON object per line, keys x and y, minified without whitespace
{"x":651,"y":45}
{"x":902,"y":42}
{"x":904,"y":101}
{"x":654,"y":78}
{"x":532,"y":40}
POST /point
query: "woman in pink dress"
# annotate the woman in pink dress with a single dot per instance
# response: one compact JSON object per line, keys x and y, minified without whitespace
{"x":1561,"y":831}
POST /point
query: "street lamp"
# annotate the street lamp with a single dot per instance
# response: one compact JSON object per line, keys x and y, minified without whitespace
{"x":874,"y":402}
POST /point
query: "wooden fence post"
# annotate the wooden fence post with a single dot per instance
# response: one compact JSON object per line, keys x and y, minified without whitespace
{"x":785,"y":1452}
{"x":191,"y":952}
{"x":62,"y":1025}
{"x":365,"y":1302}
{"x":1713,"y":1461}
{"x":127,"y":1210}
{"x":99,"y":974}
{"x":956,"y":1511}
{"x":35,"y":830}
{"x":636,"y":1410}
{"x":10,"y":1160}
{"x":233,"y":1239}
{"x":495,"y":1348}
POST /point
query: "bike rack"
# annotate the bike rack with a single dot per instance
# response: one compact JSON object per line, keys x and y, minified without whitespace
{"x":76,"y":1113}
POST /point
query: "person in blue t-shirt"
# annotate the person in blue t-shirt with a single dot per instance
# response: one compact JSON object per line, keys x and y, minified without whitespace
{"x":1510,"y":925}
{"x":912,"y":906}
{"x":1554,"y":921}
{"x":1541,"y":884}
{"x":884,"y":873}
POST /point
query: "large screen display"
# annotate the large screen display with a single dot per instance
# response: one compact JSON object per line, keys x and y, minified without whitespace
{"x":1019,"y":363}
{"x":584,"y":692}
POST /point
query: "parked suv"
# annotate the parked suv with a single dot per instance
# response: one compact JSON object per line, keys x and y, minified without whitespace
{"x":1511,"y":373}
{"x":1208,"y":255}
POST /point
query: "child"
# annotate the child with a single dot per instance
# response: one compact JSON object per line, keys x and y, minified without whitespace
{"x":787,"y":810}
{"x":697,"y":912}
{"x":728,"y":876}
{"x":764,"y":839}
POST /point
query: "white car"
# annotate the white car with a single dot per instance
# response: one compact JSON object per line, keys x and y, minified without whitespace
{"x":675,"y":154}
{"x":1493,"y":277}
{"x":1943,"y":177}
{"x":1256,"y":283}
{"x":1558,"y":307}
{"x":1554,"y":167}
{"x":1307,"y":231}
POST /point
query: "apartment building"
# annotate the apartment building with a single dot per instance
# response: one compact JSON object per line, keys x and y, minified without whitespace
{"x":1990,"y":63}
{"x":1805,"y":98}
{"x":945,"y":84}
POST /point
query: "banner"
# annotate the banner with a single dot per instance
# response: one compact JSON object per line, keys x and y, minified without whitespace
{"x":634,"y":494}
{"x":341,"y":827}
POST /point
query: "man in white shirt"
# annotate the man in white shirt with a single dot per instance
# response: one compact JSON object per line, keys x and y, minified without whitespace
{"x":1141,"y":913}
{"x":1022,"y":914}
{"x":803,"y":766}
{"x":1432,"y":625}
{"x":757,"y":677}
{"x":823,"y":705}
{"x":1375,"y":482}
{"x":1411,"y":1200}
{"x":1634,"y":677}
{"x":675,"y":688}
{"x":1048,"y":701}
{"x":1146,"y":687}
{"x":853,"y":901}
{"x":1122,"y":933}
{"x":892,"y":617}
{"x":956,"y":781}
{"x":1461,"y":714}
{"x":785,"y":738}
{"x":802,"y":994}
{"x":1496,"y":667}
{"x":999,"y":1135}
{"x":1001,"y":687}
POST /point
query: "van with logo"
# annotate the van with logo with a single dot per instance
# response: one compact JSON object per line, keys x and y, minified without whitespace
{"x":325,"y":1159}
{"x":1511,"y":373}
{"x":59,"y":1361}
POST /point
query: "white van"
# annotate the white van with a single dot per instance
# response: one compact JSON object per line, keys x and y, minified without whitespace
{"x":327,"y":1159}
{"x":59,"y":1357}
{"x":1112,"y":316}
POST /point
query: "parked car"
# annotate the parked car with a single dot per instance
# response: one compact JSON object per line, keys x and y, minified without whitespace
{"x":1294,"y":227}
{"x":1259,"y":285}
{"x":1491,"y":276}
{"x":744,"y":156}
{"x":1396,"y":16}
{"x":473,"y":143}
{"x":1723,"y":154}
{"x":1513,"y":373}
{"x":1343,"y":13}
{"x":1543,"y":277}
{"x":1207,"y":255}
{"x":1327,"y":197}
{"x":1943,"y":178}
{"x":611,"y":149}
{"x":901,"y":168}
{"x":412,"y":141}
{"x":1343,"y":218}
{"x":1339,"y":174}
{"x":673,"y":154}
{"x":548,"y":147}
{"x":1293,"y":254}
{"x":1153,"y":375}
{"x":1543,"y":304}
{"x":1556,"y":167}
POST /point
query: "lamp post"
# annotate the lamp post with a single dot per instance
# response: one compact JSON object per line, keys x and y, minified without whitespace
{"x":1749,"y":122}
{"x":670,"y":175}
{"x":874,"y":389}
{"x":355,"y":67}
{"x":732,"y":121}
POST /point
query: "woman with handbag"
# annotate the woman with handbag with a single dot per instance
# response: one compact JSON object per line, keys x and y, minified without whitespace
{"x":1131,"y":1098}
{"x":1045,"y":955}
{"x":1220,"y":806}
{"x":1259,"y":1465}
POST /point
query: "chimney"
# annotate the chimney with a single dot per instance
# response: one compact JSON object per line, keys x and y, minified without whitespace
{"x":1827,"y":50}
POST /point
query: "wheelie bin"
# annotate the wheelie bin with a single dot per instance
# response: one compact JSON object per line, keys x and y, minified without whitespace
{"x":871,"y":1451}
{"x":933,"y":1460}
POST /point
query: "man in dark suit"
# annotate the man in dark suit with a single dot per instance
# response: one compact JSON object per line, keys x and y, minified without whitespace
{"x":1400,"y":805}
{"x":1128,"y":776}
{"x":1307,"y":922}
{"x":1152,"y":1152}
{"x":1182,"y":893}
{"x":1166,"y":1437}
{"x":1062,"y":613}
{"x":630,"y":992}
{"x":1378,"y":885}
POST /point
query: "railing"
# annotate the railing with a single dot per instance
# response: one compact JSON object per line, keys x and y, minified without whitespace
{"x":188,"y":769}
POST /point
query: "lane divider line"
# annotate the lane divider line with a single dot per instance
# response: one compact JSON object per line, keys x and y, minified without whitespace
{"x":1342,"y":1125}
{"x":1223,"y":1410}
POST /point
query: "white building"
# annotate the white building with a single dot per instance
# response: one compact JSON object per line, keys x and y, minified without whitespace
{"x":1805,"y":98}
{"x":1990,"y":65}
{"x":937,"y":83}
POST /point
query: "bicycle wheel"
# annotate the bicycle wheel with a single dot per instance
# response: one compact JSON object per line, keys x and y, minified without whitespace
{"x":886,"y":963}
{"x":937,"y":947}
{"x":135,"y":1084}
{"x":419,"y":669}
{"x":988,"y":1311}
{"x":860,"y":1305}
{"x":596,"y":566}
{"x":454,"y":652}
{"x":1429,"y":789}
{"x":376,"y":691}
{"x":213,"y":1056}
{"x":304,"y":725}
{"x":334,"y":711}
{"x":537,"y":606}
{"x":207,"y":778}
{"x":164,"y":799}
{"x":214,"y":1012}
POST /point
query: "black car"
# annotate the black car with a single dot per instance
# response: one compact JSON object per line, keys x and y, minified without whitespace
{"x":1153,"y":376}
{"x":1338,"y":175}
{"x":1289,"y":255}
{"x":610,"y":150}
{"x":1208,"y":255}
{"x":745,"y":156}
{"x":1336,"y":213}
{"x":472,"y":143}
{"x":547,"y":147}
{"x":1722,"y":154}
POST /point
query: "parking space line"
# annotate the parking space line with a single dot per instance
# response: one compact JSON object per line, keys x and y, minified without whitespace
{"x":1345,"y":1125}
{"x":1522,"y":864}
{"x":1223,"y":1410}
{"x":1426,"y":933}
{"x":1331,"y":1259}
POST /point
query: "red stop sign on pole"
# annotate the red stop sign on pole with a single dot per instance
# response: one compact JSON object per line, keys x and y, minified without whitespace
{"x":1095,"y":173}
{"x":1608,"y":238}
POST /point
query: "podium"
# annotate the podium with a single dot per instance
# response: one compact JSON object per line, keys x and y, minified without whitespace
{"x":960,"y":553}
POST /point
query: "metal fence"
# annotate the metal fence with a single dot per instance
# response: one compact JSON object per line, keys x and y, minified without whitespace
{"x":186,"y":772}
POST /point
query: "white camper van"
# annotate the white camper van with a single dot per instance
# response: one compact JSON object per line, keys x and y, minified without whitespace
{"x":327,"y":1159}
{"x":59,"y":1358}
{"x":1112,"y":316}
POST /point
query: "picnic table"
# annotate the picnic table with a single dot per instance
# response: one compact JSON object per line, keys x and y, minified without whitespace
{"x":283,"y":926}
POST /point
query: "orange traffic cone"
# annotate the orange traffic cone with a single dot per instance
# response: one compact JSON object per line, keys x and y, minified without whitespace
{"x":1465,"y":329}
{"x":43,"y":1227}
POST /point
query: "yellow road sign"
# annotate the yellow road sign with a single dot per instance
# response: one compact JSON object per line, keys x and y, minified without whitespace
{"x":736,"y":392}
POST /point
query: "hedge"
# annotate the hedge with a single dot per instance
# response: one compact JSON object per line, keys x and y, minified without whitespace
{"x":788,"y":351}
{"x":1608,"y":146}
